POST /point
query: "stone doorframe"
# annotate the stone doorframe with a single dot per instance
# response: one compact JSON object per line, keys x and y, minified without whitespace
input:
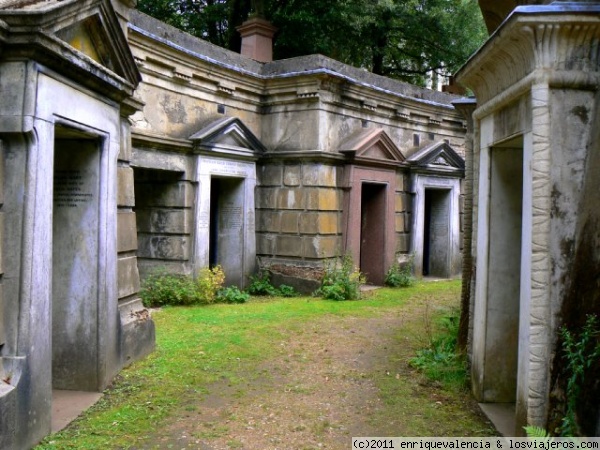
{"x":439,"y":167}
{"x":373,"y":159}
{"x":420,"y":184}
{"x":357,"y":176}
{"x":227,"y":149}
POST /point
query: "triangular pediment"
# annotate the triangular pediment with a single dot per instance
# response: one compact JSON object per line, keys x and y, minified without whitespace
{"x":90,"y":38}
{"x":440,"y":156}
{"x":86,"y":35}
{"x":372,"y":146}
{"x":227,"y":135}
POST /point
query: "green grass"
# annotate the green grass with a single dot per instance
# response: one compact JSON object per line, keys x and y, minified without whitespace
{"x":197,"y":346}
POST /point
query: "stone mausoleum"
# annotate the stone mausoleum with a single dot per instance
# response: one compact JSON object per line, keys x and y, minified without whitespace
{"x":127,"y":145}
{"x":534,"y":173}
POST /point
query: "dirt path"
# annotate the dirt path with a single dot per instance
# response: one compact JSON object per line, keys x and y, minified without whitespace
{"x":318,"y":393}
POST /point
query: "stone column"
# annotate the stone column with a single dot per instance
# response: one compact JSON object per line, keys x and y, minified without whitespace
{"x":466,"y":107}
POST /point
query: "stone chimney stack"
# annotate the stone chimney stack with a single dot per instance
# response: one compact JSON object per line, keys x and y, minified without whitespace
{"x":257,"y":39}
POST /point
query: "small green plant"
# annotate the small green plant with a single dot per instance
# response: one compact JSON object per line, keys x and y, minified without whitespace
{"x":440,"y":361}
{"x":232,"y":294}
{"x":162,"y":288}
{"x":287,"y":291}
{"x":260,"y":284}
{"x":580,"y":352}
{"x":400,"y":275}
{"x":341,"y":280}
{"x":536,"y":432}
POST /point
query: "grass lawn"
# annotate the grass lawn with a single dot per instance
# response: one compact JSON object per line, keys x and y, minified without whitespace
{"x":199,"y":346}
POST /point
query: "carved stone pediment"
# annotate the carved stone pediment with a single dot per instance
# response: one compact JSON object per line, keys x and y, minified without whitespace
{"x":227,"y":135}
{"x":438,"y":157}
{"x":81,"y":39}
{"x":372,"y":146}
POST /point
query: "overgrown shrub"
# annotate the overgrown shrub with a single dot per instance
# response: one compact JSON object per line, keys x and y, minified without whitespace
{"x":260,"y":284}
{"x":162,"y":288}
{"x":341,"y":280}
{"x":232,"y":294}
{"x":400,"y":275}
{"x":208,"y":283}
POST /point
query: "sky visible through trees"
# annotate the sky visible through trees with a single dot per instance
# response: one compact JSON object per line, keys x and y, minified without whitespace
{"x":411,"y":40}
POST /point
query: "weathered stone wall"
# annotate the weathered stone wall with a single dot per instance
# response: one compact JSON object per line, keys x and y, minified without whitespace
{"x":2,"y":332}
{"x":299,"y":212}
{"x":137,"y":328}
{"x":164,"y":202}
{"x":403,"y":212}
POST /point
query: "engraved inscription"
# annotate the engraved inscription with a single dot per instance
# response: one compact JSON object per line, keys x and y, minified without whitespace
{"x":69,"y":189}
{"x":231,"y":217}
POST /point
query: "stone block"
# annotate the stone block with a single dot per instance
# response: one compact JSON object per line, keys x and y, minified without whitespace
{"x":399,"y":202}
{"x":289,"y":222}
{"x":400,"y":181}
{"x":126,"y":232}
{"x":1,"y":175}
{"x":163,"y":247}
{"x":174,"y":194}
{"x":266,"y":198}
{"x":309,"y":223}
{"x":268,"y":221}
{"x":128,"y":277}
{"x":400,"y":223}
{"x":319,"y":175}
{"x":265,"y":244}
{"x":402,"y":243}
{"x":164,"y":220}
{"x":1,"y":243}
{"x":324,"y":199}
{"x":290,"y":199}
{"x":329,"y":223}
{"x":289,"y":246}
{"x":408,"y":222}
{"x":292,"y":175}
{"x":270,"y":175}
{"x":125,"y":189}
{"x":322,"y":247}
{"x":137,"y":331}
{"x":125,"y":143}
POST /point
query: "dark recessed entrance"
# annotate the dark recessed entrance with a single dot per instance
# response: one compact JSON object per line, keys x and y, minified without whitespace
{"x":372,"y":232}
{"x":436,"y":233}
{"x":226,"y":241}
{"x":75,"y":264}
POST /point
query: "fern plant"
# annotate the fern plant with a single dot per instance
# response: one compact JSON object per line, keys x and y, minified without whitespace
{"x":580,"y":351}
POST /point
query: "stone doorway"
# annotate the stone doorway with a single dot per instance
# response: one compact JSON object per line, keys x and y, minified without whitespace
{"x":436,"y":233}
{"x":372,"y":232}
{"x":76,"y":262}
{"x":226,"y":228}
{"x":498,"y":303}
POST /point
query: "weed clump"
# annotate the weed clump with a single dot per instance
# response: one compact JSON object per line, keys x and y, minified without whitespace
{"x":162,"y":288}
{"x":341,"y":280}
{"x":260,"y":285}
{"x":400,"y":275}
{"x":441,"y":361}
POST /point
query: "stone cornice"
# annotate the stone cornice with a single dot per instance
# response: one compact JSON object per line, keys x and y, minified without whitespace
{"x":557,"y":46}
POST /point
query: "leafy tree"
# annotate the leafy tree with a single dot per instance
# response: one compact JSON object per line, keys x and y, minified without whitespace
{"x":406,"y":39}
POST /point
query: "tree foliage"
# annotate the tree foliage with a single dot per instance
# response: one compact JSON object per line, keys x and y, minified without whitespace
{"x":406,"y":39}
